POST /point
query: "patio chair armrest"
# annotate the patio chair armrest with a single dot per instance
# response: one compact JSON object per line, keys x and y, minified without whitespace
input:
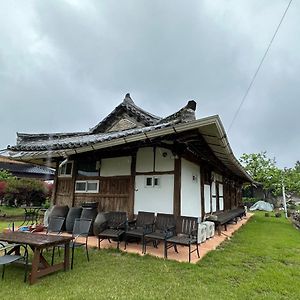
{"x":5,"y":246}
{"x":193,"y":233}
{"x":131,"y":224}
{"x":122,"y":225}
{"x":148,"y":228}
{"x":168,"y":229}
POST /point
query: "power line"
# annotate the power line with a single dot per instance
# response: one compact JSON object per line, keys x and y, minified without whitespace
{"x":259,"y":66}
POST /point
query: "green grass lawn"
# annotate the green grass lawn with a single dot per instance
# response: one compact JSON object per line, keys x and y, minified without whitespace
{"x":11,"y":211}
{"x":261,"y":261}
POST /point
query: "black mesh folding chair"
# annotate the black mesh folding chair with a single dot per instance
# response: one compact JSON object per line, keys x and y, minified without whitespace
{"x":81,"y":229}
{"x":8,"y":258}
{"x":55,"y":227}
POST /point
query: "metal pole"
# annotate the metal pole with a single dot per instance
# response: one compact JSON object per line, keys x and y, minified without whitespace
{"x":284,"y":200}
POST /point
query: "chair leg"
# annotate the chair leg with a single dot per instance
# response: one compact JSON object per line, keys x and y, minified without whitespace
{"x":3,"y":270}
{"x":26,"y":268}
{"x":87,"y":252}
{"x":143,"y":245}
{"x":99,"y":243}
{"x":52,"y":259}
{"x":72,"y":257}
{"x":166,"y":249}
{"x":175,"y":248}
{"x":125,"y":240}
{"x":198,"y":250}
{"x":189,"y":253}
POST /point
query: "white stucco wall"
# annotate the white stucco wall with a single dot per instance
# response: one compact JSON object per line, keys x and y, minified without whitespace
{"x":145,"y":160}
{"x":190,"y":189}
{"x":207,"y":202}
{"x":154,"y":199}
{"x":164,"y":160}
{"x":117,"y":166}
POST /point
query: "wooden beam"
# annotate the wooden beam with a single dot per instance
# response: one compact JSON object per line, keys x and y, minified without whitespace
{"x":72,"y":196}
{"x":132,"y":186}
{"x":54,"y":192}
{"x":177,"y":188}
{"x":202,"y":176}
{"x":155,"y":173}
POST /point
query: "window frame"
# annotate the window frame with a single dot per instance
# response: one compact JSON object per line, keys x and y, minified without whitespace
{"x":86,"y":191}
{"x":154,"y":178}
{"x":65,"y":164}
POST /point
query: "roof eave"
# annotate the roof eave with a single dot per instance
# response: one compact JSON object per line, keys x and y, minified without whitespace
{"x":199,"y":124}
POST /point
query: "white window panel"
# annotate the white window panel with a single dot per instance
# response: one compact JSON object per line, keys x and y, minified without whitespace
{"x":207,"y":206}
{"x":214,"y":203}
{"x":220,"y":189}
{"x":221,"y":203}
{"x":87,"y":186}
{"x":66,"y":169}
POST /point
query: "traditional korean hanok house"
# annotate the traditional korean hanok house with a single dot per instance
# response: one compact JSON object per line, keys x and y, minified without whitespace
{"x":133,"y":160}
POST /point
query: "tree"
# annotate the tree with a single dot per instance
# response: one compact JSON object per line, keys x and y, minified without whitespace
{"x":4,"y":175}
{"x":264,"y":171}
{"x":291,"y":179}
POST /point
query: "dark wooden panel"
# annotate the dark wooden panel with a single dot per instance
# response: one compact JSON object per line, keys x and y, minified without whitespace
{"x":64,"y":191}
{"x":177,"y":188}
{"x":114,"y":194}
{"x":64,"y":186}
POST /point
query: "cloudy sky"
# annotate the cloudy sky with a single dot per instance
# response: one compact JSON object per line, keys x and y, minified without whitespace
{"x":64,"y":65}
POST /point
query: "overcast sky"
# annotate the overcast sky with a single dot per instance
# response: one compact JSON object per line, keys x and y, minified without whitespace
{"x":64,"y":65}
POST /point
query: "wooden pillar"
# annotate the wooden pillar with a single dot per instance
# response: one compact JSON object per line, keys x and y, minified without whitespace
{"x":55,"y":183}
{"x":132,"y":186}
{"x":177,"y":188}
{"x":74,"y":172}
{"x":217,"y":196}
{"x":202,"y":175}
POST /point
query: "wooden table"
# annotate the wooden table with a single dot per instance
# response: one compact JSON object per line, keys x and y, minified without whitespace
{"x":38,"y":242}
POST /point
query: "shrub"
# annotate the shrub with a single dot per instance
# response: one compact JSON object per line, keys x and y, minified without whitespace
{"x":2,"y":188}
{"x":249,"y":201}
{"x":278,"y":215}
{"x":25,"y":192}
{"x":5,"y":175}
{"x":267,"y":214}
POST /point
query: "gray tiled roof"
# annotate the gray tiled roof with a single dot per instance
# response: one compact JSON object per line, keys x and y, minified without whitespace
{"x":26,"y":168}
{"x":76,"y":141}
{"x":146,"y":118}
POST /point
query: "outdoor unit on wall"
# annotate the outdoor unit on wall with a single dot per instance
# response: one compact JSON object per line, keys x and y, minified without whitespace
{"x":201,"y":233}
{"x":210,"y":228}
